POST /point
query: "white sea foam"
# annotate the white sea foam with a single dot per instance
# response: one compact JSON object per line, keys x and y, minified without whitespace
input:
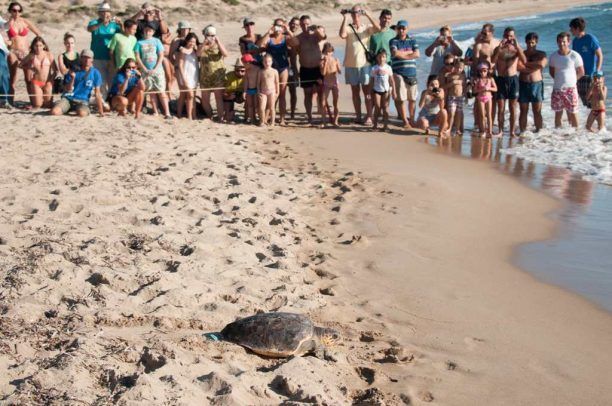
{"x":578,"y":150}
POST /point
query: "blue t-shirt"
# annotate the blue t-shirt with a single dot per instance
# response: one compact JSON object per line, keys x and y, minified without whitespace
{"x":100,"y":38}
{"x":403,"y":67}
{"x":148,"y":50}
{"x":586,"y":47}
{"x":84,"y":84}
{"x":119,"y":80}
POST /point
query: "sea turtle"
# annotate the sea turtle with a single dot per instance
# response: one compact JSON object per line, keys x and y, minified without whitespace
{"x":280,"y":335}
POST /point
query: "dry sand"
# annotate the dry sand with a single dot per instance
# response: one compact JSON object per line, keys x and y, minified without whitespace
{"x":121,"y":242}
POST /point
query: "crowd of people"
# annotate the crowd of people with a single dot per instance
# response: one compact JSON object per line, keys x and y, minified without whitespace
{"x":140,"y":62}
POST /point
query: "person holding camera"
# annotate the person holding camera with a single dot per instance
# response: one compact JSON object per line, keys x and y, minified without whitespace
{"x":274,"y":43}
{"x":443,"y":45}
{"x":357,"y":58}
{"x":308,"y":44}
{"x":505,"y":59}
{"x":127,"y":91}
{"x":404,"y":53}
{"x":102,"y":31}
{"x":432,"y":110}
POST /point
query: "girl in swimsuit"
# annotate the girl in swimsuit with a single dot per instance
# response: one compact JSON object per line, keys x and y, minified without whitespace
{"x":187,"y":74}
{"x":597,"y":95}
{"x":483,"y":86}
{"x":268,"y":87}
{"x":275,"y":44}
{"x":330,"y":69}
{"x":39,"y":69}
{"x":69,"y":60}
{"x":18,"y":29}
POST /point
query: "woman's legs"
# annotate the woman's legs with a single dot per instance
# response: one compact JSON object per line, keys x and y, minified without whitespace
{"x":13,"y":63}
{"x":136,"y":97}
{"x":120,"y":104}
{"x":180,"y":102}
{"x":282,"y":97}
{"x":219,"y":103}
{"x":35,"y":95}
{"x":188,"y":99}
{"x":335,"y":96}
{"x":206,"y":103}
{"x":48,"y":95}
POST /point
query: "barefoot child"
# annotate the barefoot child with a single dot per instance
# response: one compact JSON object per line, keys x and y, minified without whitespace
{"x":268,"y":87}
{"x":383,"y":88}
{"x":453,"y":84}
{"x":432,"y":111}
{"x":250,"y":87}
{"x":330,"y":69}
{"x":597,"y":95}
{"x":483,"y":86}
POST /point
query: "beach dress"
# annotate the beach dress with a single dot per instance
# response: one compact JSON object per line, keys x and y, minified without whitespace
{"x":191,"y":70}
{"x":212,"y":69}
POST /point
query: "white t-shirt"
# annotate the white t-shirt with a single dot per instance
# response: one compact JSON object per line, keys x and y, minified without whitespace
{"x":565,"y":68}
{"x":2,"y":43}
{"x":381,"y":75}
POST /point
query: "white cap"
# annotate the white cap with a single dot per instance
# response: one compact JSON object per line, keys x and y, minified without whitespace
{"x":210,"y":30}
{"x":104,"y":7}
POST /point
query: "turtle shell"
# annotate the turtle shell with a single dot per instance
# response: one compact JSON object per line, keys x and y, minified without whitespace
{"x":270,"y":334}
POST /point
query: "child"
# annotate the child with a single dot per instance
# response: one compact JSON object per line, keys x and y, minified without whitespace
{"x":150,"y":55}
{"x":432,"y":111}
{"x":383,"y":87}
{"x":268,"y":88}
{"x":483,"y":86}
{"x":597,"y":95}
{"x":453,"y":84}
{"x":330,"y":69}
{"x":250,"y":87}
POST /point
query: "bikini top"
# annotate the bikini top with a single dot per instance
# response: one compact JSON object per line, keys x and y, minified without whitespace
{"x":12,"y":33}
{"x":44,"y":62}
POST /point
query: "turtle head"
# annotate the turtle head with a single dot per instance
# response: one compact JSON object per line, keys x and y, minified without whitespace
{"x":328,"y":336}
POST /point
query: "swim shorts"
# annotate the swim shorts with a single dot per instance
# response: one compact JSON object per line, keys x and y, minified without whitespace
{"x":507,"y":87}
{"x":72,"y":105}
{"x":357,"y":76}
{"x":405,"y":91}
{"x":583,"y":88}
{"x":531,"y":92}
{"x":155,"y":81}
{"x":310,"y":76}
{"x":565,"y":98}
{"x":455,"y":103}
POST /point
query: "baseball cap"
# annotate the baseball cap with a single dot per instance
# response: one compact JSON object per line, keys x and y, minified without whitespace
{"x":247,"y":21}
{"x":88,"y":53}
{"x":183,"y":25}
{"x":598,"y":74}
{"x":210,"y":30}
{"x":402,"y":23}
{"x":104,"y":7}
{"x":247,"y":58}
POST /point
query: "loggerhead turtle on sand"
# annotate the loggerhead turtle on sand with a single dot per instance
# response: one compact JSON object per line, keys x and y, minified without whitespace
{"x":279,"y":335}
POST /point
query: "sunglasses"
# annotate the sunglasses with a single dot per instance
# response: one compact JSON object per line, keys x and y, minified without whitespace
{"x":249,"y":24}
{"x":132,"y":67}
{"x":241,"y":70}
{"x":15,"y":10}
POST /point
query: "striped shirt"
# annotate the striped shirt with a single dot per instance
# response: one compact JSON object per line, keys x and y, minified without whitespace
{"x":403,"y":67}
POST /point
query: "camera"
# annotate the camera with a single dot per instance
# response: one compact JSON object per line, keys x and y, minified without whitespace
{"x":345,"y":11}
{"x":435,"y":90}
{"x":278,"y":28}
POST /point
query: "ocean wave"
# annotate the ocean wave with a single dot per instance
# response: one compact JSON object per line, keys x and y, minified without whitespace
{"x":578,"y":150}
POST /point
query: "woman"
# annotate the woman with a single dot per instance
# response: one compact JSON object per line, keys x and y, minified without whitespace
{"x":127,"y":90}
{"x":212,"y":71}
{"x":69,"y":60}
{"x":18,"y":29}
{"x":187,"y":74}
{"x":184,"y":28}
{"x":275,"y":44}
{"x":39,"y":68}
{"x":432,"y":111}
{"x":248,"y":42}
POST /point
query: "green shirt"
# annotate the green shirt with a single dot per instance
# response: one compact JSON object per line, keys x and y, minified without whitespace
{"x":122,"y":47}
{"x":380,"y":40}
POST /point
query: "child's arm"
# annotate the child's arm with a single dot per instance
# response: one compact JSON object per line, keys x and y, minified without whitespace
{"x":492,"y":85}
{"x":338,"y":66}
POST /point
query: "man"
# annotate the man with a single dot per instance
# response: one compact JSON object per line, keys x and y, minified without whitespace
{"x":404,"y":53}
{"x":123,"y":43}
{"x":483,"y":49}
{"x":150,"y":16}
{"x":78,"y":87}
{"x":234,"y":90}
{"x":356,"y":65}
{"x":380,"y":40}
{"x":443,"y":45}
{"x":102,"y":31}
{"x":566,"y":67}
{"x":294,"y":25}
{"x":531,"y":84}
{"x":587,"y":45}
{"x":4,"y":68}
{"x":506,"y":57}
{"x":308,"y":44}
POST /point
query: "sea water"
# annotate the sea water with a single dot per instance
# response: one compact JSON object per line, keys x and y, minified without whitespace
{"x":572,"y":165}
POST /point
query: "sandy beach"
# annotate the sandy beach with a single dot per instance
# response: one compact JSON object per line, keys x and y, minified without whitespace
{"x":122,"y":242}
